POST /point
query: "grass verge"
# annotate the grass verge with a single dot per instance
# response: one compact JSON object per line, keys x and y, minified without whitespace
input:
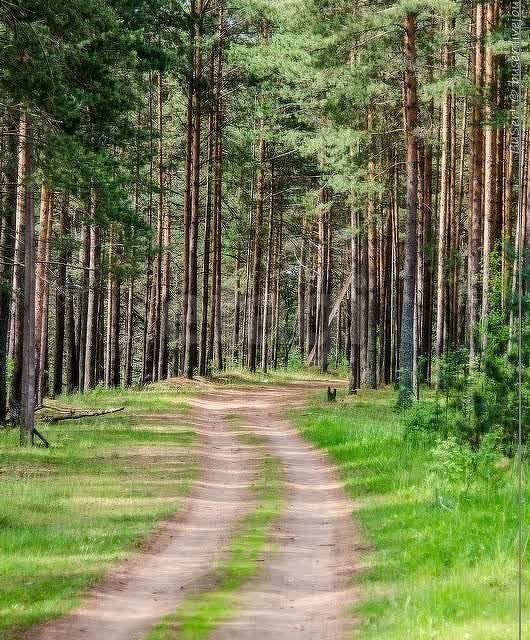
{"x":68,"y":512}
{"x":435,"y":571}
{"x":202,"y":613}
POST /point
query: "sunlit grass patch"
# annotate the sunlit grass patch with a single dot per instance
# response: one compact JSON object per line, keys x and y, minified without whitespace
{"x":68,"y":512}
{"x":281,"y":375}
{"x":438,"y":568}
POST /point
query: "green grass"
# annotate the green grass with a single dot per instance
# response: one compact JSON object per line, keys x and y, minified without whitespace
{"x":200,"y":614}
{"x":239,"y":376}
{"x":433,"y":572}
{"x":68,"y":512}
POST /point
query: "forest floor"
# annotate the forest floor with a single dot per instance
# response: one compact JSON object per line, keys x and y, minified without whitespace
{"x":265,"y":512}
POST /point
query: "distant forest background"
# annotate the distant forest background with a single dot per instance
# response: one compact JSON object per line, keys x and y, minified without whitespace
{"x":190,"y":186}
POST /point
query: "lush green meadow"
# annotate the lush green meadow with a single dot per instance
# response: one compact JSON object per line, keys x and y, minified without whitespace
{"x":68,"y":512}
{"x":440,"y":565}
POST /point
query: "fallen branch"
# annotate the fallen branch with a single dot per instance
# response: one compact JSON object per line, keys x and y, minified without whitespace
{"x":61,"y":409}
{"x":72,"y":415}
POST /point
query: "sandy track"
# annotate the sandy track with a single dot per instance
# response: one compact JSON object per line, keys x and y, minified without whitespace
{"x":135,"y":596}
{"x":305,"y":588}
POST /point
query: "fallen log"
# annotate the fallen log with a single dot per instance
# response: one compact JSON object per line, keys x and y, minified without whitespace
{"x":72,"y":415}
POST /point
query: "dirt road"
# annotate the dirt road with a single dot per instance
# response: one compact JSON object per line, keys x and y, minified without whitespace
{"x":305,"y":587}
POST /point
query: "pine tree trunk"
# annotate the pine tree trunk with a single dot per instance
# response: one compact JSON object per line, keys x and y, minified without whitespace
{"x":354,"y":303}
{"x":72,"y":353}
{"x":114,"y":364}
{"x":42,"y":291}
{"x":165,"y":233}
{"x":363,"y":306}
{"x":212,"y":135}
{"x":7,"y":245}
{"x":60,"y":300}
{"x":409,"y":284}
{"x":129,"y":335}
{"x":276,"y":296}
{"x":371,"y":342}
{"x":445,"y":200}
{"x":91,"y":345}
{"x":323,"y":286}
{"x":476,"y":195}
{"x":302,"y":293}
{"x":191,"y":356}
{"x":490,"y":164}
{"x":428,"y":260}
{"x":17,"y":301}
{"x":237,"y":310}
{"x":188,"y":185}
{"x":256,"y":258}
{"x":81,"y":307}
{"x":27,"y":396}
{"x":311,"y":306}
{"x":268,"y":277}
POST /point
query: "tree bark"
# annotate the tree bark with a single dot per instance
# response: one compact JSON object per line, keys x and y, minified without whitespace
{"x":268,"y":277}
{"x":476,"y":195}
{"x":64,"y":257}
{"x":89,"y":381}
{"x":371,"y":343}
{"x":191,"y":356}
{"x":302,"y":293}
{"x":256,"y":258}
{"x":411,"y":116}
{"x":7,"y":246}
{"x":354,"y":303}
{"x":165,"y":263}
{"x":490,"y":165}
{"x":27,"y":396}
{"x":42,"y":289}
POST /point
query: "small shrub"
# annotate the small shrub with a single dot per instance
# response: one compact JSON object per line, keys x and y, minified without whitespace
{"x":455,"y":466}
{"x":422,"y":422}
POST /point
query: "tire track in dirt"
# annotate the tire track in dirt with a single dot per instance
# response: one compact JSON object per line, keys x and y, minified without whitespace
{"x":179,"y":558}
{"x":306,"y":589}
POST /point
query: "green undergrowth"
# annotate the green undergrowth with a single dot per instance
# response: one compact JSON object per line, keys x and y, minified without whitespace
{"x":440,"y":566}
{"x":68,"y":512}
{"x":200,"y":614}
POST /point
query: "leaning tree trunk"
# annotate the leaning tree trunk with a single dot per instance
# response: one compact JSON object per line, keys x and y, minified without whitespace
{"x":406,"y":355}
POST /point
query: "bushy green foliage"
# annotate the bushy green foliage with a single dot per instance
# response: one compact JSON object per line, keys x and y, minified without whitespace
{"x":474,"y":405}
{"x":455,"y":466}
